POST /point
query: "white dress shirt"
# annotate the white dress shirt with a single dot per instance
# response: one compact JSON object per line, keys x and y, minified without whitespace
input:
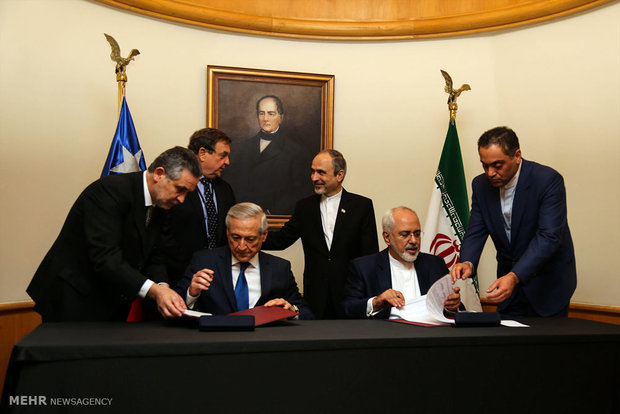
{"x":252,"y":275}
{"x":404,"y":279}
{"x":329,"y":212}
{"x":506,"y":196}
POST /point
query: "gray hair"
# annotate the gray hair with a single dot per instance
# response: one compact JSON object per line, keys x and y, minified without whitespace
{"x":175,"y":160}
{"x":387,"y":221}
{"x":247,"y":210}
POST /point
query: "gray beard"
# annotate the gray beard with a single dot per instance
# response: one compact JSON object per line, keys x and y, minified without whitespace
{"x":407,"y":257}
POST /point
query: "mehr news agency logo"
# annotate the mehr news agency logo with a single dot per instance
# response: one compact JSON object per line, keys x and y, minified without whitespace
{"x":42,"y":400}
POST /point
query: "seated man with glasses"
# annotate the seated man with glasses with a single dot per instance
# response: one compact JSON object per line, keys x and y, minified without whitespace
{"x":379,"y":282}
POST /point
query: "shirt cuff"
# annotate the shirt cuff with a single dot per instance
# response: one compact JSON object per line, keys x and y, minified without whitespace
{"x":369,"y":311}
{"x":190,"y":300}
{"x":145,"y":288}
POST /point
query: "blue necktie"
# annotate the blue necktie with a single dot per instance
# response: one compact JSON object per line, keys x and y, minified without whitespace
{"x":241,"y":289}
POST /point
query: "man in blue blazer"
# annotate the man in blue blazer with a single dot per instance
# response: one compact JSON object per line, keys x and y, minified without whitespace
{"x":239,"y":276}
{"x":380,"y":282}
{"x":522,"y":206}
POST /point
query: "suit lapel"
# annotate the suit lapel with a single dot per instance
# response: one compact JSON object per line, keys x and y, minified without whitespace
{"x":422,"y":273}
{"x":344,"y":211}
{"x":266,"y":277}
{"x":317,"y":223}
{"x":495,"y":212}
{"x":383,"y":272}
{"x":274,"y":149}
{"x":225,"y":269}
{"x":194,"y":201}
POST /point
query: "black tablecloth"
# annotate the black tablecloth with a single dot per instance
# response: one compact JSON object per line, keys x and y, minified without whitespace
{"x":563,"y":365}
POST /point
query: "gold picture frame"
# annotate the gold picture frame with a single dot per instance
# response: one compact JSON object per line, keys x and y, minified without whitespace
{"x":307,"y":126}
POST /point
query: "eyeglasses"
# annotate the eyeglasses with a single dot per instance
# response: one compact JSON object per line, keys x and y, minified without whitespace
{"x":407,"y":234}
{"x":220,"y":155}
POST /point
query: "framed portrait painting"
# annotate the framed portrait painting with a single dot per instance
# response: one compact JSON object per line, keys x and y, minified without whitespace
{"x":277,"y":121}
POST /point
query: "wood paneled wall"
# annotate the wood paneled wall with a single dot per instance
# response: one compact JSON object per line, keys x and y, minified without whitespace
{"x":16,"y":320}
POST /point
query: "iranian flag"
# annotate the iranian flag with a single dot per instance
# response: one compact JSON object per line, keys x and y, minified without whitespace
{"x":448,"y":215}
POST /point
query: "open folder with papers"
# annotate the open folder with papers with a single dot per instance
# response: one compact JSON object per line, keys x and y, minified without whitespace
{"x":427,"y":310}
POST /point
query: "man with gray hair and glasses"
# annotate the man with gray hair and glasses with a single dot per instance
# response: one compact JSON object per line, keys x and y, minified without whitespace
{"x":239,"y":276}
{"x":386,"y":280}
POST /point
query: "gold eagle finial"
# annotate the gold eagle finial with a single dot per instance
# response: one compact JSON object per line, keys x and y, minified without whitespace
{"x":453,"y":94}
{"x":121,"y":62}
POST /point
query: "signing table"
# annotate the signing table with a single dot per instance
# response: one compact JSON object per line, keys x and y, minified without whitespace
{"x":361,"y":366}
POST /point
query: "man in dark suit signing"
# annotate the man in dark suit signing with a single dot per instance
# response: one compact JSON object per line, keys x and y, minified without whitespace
{"x":239,"y":276}
{"x":380,"y":282}
{"x":198,"y":223}
{"x":522,"y":206}
{"x":335,"y":227}
{"x":107,"y":254}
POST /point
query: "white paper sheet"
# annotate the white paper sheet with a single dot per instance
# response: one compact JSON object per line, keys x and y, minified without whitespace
{"x":437,"y":295}
{"x":195,"y":314}
{"x":513,"y":324}
{"x":428,"y":308}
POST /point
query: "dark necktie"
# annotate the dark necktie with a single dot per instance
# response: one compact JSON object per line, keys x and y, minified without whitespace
{"x":149,"y":216}
{"x":241,"y":289}
{"x":211,"y":211}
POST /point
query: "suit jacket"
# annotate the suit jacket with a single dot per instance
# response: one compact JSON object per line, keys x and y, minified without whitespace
{"x":102,"y":256}
{"x":370,"y":276}
{"x":276,"y":178}
{"x":186,"y":232}
{"x":276,"y":279}
{"x":325,"y":270}
{"x":540,"y":251}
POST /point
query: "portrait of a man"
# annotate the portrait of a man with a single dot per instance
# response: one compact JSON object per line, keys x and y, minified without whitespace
{"x":277,"y":121}
{"x":271,"y":168}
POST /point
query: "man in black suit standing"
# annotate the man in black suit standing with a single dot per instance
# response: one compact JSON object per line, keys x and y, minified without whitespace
{"x":199,"y":222}
{"x":239,"y":276}
{"x":271,"y":168}
{"x":380,"y":282}
{"x":335,"y":227}
{"x":108,"y":251}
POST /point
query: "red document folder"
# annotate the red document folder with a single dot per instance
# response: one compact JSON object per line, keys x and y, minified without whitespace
{"x":263,"y":315}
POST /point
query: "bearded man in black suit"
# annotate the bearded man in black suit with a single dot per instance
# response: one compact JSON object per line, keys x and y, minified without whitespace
{"x":335,"y":226}
{"x":108,"y":252}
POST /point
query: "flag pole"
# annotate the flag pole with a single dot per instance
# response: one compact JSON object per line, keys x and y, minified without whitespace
{"x":121,"y":67}
{"x":121,"y":79}
{"x":448,"y":210}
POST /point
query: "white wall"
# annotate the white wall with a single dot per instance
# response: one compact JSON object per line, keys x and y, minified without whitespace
{"x":556,"y":84}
